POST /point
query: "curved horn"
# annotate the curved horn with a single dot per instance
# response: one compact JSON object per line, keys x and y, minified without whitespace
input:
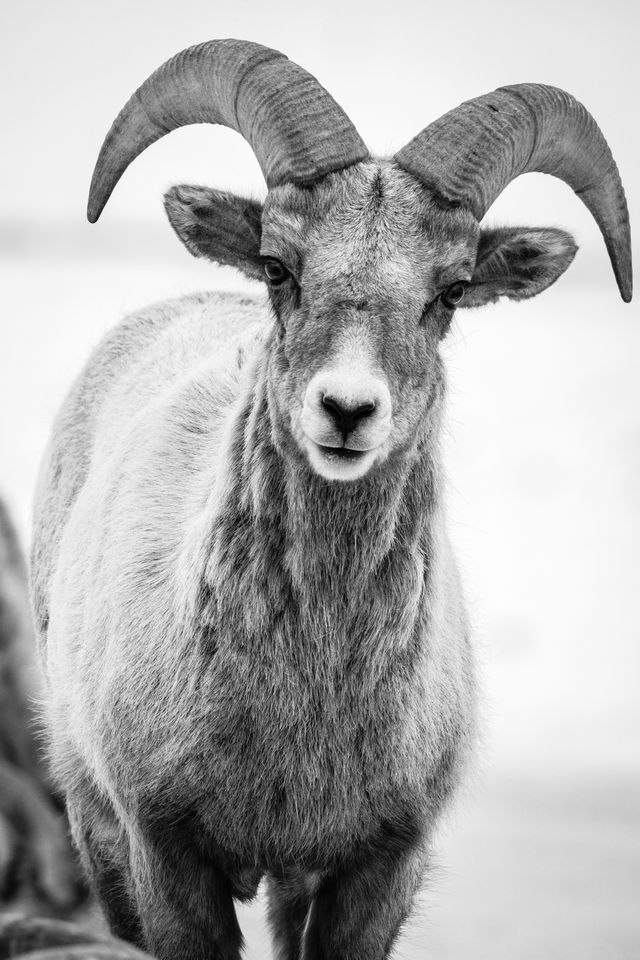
{"x":470,"y":154}
{"x":296,"y":129}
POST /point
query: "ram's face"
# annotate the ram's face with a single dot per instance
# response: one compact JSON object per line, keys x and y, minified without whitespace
{"x":364,"y":270}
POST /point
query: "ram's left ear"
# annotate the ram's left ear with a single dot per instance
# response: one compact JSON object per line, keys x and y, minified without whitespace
{"x":517,"y":262}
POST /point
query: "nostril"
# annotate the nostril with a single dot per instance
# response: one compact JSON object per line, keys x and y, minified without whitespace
{"x":363,"y":410}
{"x":347,"y":418}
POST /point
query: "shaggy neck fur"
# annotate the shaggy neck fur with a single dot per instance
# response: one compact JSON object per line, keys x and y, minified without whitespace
{"x":345,"y":566}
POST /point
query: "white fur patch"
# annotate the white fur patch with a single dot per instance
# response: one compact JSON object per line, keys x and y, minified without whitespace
{"x":351,"y":380}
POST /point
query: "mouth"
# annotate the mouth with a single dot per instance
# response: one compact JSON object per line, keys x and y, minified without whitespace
{"x":342,"y":453}
{"x":339,"y":463}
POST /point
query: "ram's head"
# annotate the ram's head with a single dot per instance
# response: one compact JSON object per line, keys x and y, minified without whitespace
{"x":366,"y":259}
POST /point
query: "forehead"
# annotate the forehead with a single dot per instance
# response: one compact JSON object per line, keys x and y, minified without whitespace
{"x":371,"y":222}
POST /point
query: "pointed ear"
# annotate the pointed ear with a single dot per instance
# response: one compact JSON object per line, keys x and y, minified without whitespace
{"x":218,"y":226}
{"x":517,"y":262}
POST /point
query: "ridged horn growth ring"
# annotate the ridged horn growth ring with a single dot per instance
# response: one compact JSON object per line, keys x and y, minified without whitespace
{"x":469,"y":155}
{"x":295,"y":128}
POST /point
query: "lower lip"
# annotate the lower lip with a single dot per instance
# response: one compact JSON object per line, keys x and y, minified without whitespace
{"x":342,"y":454}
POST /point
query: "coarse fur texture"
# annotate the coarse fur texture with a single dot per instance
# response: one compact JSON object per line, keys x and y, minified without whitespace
{"x":257,"y":654}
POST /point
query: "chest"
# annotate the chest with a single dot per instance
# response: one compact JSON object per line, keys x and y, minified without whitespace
{"x":296,"y":771}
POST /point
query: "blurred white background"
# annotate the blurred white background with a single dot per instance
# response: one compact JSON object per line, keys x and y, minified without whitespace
{"x":541,"y":858}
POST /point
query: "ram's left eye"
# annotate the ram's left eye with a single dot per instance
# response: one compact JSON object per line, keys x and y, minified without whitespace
{"x":452,"y":296}
{"x":275,"y":271}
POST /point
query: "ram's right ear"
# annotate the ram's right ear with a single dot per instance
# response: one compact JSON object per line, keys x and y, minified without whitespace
{"x":218,"y":226}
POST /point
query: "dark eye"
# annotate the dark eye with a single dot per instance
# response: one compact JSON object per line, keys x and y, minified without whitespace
{"x":275,"y":272}
{"x":452,"y":296}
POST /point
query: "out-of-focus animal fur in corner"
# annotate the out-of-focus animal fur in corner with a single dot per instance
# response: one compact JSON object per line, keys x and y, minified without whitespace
{"x":38,"y":868}
{"x":35,"y":937}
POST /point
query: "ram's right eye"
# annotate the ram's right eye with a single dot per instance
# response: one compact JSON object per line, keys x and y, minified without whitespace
{"x":275,"y":271}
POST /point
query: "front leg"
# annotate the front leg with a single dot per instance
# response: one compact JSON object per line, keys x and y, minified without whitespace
{"x":357,"y":912}
{"x":184,"y":901}
{"x":104,"y":851}
{"x":289,"y":899}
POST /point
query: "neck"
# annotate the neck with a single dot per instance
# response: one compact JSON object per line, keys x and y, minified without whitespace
{"x":354,"y":558}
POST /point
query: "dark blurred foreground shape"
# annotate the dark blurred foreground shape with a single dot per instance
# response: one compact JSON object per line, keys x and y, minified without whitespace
{"x":38,"y":867}
{"x":46,"y":939}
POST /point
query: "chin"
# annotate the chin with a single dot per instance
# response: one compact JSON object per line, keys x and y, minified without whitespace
{"x":339,"y":464}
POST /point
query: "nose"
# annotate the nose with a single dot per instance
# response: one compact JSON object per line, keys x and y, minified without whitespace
{"x":347,"y":417}
{"x":346,"y":406}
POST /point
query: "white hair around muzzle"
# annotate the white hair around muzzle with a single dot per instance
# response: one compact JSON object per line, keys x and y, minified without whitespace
{"x":346,"y":413}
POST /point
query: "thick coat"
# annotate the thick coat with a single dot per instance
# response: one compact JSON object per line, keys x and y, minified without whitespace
{"x":283,"y":660}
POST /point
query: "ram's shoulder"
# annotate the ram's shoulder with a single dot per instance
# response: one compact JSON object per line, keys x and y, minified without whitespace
{"x":203,"y":319}
{"x":161,"y":343}
{"x":143,"y":358}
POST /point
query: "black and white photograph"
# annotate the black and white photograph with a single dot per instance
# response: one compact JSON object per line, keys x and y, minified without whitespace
{"x":319,"y":480}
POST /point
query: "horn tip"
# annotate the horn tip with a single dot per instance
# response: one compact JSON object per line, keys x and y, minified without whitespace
{"x":626,"y":291}
{"x":95,"y":206}
{"x":624,"y":277}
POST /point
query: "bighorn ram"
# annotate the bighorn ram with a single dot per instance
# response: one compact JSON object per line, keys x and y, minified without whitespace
{"x":253,"y":630}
